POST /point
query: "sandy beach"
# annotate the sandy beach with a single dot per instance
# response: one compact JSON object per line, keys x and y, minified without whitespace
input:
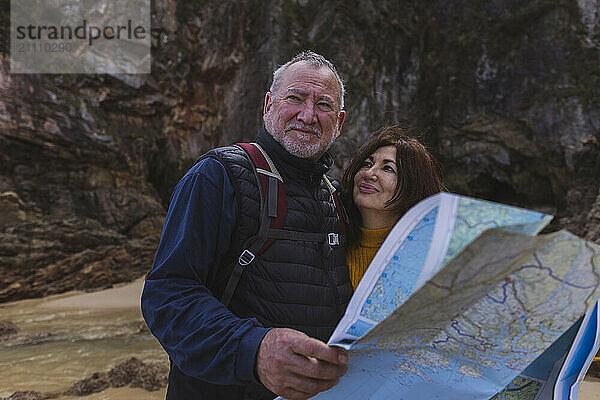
{"x":590,"y":389}
{"x":124,"y":296}
{"x":82,"y":333}
{"x":124,"y":393}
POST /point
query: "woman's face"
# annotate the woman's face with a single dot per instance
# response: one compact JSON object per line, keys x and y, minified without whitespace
{"x":376,"y":180}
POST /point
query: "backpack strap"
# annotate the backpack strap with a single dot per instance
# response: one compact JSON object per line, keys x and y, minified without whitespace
{"x":339,"y":207}
{"x":273,"y":201}
{"x":273,"y":207}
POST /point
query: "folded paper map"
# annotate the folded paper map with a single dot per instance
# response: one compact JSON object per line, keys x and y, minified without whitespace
{"x":465,"y":300}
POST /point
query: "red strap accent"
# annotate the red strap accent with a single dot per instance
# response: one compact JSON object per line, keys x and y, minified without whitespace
{"x":255,"y":155}
{"x":259,"y":161}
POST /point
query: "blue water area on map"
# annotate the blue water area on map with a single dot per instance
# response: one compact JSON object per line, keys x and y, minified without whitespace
{"x":475,"y":216}
{"x":359,"y":328}
{"x":398,"y":279}
{"x":384,"y":375}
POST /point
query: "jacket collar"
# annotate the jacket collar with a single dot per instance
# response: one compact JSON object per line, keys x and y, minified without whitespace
{"x":290,"y":165}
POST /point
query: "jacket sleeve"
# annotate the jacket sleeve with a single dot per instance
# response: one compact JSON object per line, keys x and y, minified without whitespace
{"x":201,"y":336}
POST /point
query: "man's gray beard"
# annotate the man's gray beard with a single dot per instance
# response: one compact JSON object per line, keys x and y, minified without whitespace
{"x":298,"y":148}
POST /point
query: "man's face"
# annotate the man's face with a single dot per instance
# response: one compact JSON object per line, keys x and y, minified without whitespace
{"x":304,"y":114}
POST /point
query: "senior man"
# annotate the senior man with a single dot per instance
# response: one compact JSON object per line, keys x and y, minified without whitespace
{"x":240,"y":324}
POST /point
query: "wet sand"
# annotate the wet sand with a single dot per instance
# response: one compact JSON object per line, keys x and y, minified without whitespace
{"x":590,"y":389}
{"x":123,"y":296}
{"x":89,"y":332}
{"x":124,"y":393}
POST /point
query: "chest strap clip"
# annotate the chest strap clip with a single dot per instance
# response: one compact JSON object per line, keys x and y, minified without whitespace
{"x":333,"y":239}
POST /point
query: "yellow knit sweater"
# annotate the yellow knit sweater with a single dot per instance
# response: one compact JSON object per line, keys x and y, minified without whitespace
{"x":360,"y":257}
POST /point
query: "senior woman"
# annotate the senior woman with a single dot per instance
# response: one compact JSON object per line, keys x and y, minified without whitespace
{"x":389,"y":174}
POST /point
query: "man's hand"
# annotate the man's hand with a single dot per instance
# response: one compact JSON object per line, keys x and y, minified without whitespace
{"x":295,"y":366}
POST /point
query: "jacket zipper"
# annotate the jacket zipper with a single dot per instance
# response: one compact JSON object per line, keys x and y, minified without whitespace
{"x":327,"y":254}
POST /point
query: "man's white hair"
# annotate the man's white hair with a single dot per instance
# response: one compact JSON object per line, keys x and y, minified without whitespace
{"x":315,"y":60}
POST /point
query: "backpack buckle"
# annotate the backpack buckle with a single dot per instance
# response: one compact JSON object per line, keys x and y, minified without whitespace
{"x":333,"y":239}
{"x":246,"y":258}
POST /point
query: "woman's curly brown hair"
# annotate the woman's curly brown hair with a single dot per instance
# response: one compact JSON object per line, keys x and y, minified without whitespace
{"x":419,"y":174}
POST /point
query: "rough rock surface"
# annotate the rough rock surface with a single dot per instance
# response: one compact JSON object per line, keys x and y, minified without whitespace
{"x":31,"y":395}
{"x":95,"y":383}
{"x":7,"y":328}
{"x":9,"y":332}
{"x":28,"y":395}
{"x":148,"y":376}
{"x":123,"y":374}
{"x":506,"y":93}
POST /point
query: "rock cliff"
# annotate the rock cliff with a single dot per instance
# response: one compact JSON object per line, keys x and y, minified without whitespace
{"x":506,"y":93}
